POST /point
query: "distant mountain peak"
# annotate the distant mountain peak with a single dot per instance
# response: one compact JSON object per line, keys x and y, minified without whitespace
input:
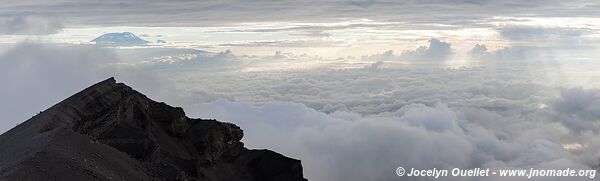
{"x":120,"y":39}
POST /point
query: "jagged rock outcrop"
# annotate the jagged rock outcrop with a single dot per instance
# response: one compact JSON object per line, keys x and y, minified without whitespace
{"x":111,"y":132}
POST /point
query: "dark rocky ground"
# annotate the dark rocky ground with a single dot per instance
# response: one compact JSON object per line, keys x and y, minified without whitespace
{"x":111,"y":132}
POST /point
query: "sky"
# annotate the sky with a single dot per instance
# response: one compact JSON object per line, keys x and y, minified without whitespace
{"x":353,"y":88}
{"x":331,"y":28}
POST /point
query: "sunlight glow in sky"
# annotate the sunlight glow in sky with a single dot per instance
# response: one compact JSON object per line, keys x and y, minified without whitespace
{"x":342,"y":38}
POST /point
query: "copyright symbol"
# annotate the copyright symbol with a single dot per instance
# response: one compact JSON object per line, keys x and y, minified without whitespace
{"x":400,"y":171}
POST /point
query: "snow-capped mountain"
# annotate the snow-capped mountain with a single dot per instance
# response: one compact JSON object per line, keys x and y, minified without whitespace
{"x":120,"y":39}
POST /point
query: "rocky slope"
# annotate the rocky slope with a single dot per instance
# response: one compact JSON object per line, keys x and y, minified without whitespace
{"x":111,"y":132}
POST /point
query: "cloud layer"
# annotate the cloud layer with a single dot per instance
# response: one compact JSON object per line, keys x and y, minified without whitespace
{"x":348,"y":146}
{"x":29,"y":25}
{"x":360,"y":124}
{"x":181,"y":12}
{"x":344,"y":123}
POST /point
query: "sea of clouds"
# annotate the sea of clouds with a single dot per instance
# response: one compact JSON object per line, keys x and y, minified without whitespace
{"x":353,"y":119}
{"x":360,"y":124}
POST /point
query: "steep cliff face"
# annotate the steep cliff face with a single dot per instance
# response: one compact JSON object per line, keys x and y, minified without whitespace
{"x":111,"y":132}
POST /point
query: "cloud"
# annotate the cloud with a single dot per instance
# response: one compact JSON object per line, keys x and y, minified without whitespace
{"x":313,"y":33}
{"x":29,"y":25}
{"x":35,"y":76}
{"x":385,"y":56}
{"x":347,"y":146}
{"x":360,"y":124}
{"x":285,"y":43}
{"x":579,"y":109}
{"x":150,"y":36}
{"x":374,"y":90}
{"x":531,"y":43}
{"x":195,"y":13}
{"x":192,"y":59}
{"x":521,"y":33}
{"x":343,"y":123}
{"x":436,"y":51}
{"x":478,"y":52}
{"x":513,"y":53}
{"x":329,"y":144}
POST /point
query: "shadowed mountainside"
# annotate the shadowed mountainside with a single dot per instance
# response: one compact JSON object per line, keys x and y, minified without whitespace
{"x":111,"y":132}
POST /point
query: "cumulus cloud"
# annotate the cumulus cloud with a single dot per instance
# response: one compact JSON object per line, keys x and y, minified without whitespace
{"x":513,"y":53}
{"x":436,"y":51}
{"x":579,"y":109}
{"x":348,"y":146}
{"x":532,"y":43}
{"x":478,"y":52}
{"x":385,"y":56}
{"x":29,"y":25}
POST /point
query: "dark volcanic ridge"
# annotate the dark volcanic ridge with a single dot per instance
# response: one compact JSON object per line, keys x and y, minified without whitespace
{"x":111,"y":132}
